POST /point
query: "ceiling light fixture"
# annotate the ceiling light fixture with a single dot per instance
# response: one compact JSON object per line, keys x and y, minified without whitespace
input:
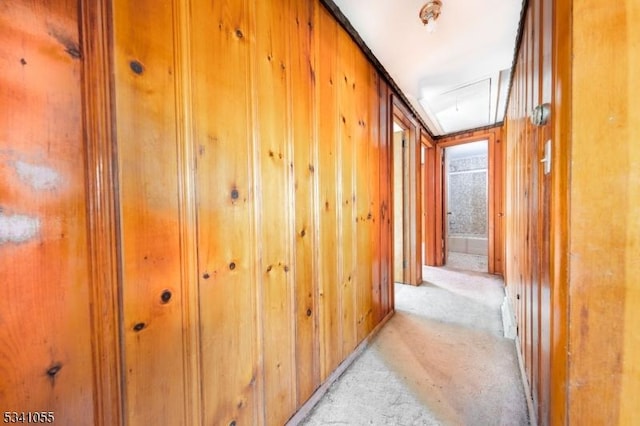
{"x":429,"y":14}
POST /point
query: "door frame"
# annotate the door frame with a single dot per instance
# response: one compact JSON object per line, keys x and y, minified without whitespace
{"x":495,"y":194}
{"x":413,"y":205}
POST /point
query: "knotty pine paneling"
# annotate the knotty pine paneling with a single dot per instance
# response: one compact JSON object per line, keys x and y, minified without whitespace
{"x":230,"y":277}
{"x":45,"y":312}
{"x":302,"y":35}
{"x":308,"y":97}
{"x":248,"y":226}
{"x":365,"y":281}
{"x":329,"y":253}
{"x":347,"y":161}
{"x":569,"y":272}
{"x":146,"y":127}
{"x":528,"y":203}
{"x":275,"y":227}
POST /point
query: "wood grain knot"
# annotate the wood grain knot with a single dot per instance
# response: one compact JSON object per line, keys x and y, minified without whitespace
{"x":239,"y":33}
{"x":303,"y":233}
{"x":308,"y":312}
{"x":232,"y":266}
{"x":165,"y":296}
{"x":139,"y":326}
{"x":206,"y":275}
{"x":232,"y":423}
{"x":136,"y":67}
{"x":22,"y":61}
{"x":235,"y":194}
{"x":54,"y":369}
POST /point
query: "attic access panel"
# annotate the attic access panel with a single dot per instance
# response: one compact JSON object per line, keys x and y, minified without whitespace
{"x":463,"y":108}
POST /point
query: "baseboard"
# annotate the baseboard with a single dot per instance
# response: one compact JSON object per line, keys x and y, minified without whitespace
{"x":308,"y":406}
{"x":533,"y":420}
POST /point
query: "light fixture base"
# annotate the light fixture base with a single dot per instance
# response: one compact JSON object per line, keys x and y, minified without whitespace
{"x":430,"y":11}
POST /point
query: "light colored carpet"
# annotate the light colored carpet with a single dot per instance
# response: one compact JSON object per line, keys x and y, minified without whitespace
{"x":441,"y":360}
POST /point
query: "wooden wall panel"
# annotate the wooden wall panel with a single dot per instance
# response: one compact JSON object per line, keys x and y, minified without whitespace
{"x":46,"y":354}
{"x":247,"y":232}
{"x":328,"y":201}
{"x":367,"y":199}
{"x":570,"y":263}
{"x":347,"y":160}
{"x":150,"y":229}
{"x":226,"y":198}
{"x":274,"y":151}
{"x":604,"y":215}
{"x":302,"y":107}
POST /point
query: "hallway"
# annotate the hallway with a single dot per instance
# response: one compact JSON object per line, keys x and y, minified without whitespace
{"x":441,"y":360}
{"x":199,"y":202}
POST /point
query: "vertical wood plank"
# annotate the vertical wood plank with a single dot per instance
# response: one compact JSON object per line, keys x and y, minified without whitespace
{"x":363,"y":197}
{"x":604,"y":183}
{"x":271,"y":58}
{"x":328,"y":202}
{"x":152,"y":306}
{"x":46,"y":353}
{"x":346,"y":178}
{"x":302,"y":106}
{"x":222,"y":115}
{"x":373,"y":182}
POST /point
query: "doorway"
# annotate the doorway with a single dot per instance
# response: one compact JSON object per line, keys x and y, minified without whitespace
{"x":400,"y":208}
{"x":467,"y":206}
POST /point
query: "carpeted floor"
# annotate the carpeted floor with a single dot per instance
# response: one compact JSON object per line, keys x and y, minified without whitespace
{"x":441,"y":360}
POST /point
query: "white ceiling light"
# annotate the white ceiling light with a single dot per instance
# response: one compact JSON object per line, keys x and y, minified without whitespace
{"x":429,"y":14}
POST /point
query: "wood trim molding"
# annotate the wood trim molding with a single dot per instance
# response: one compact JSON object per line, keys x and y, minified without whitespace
{"x":187,"y":195}
{"x":102,"y":223}
{"x":413,"y":274}
{"x":464,"y":133}
{"x":561,"y":121}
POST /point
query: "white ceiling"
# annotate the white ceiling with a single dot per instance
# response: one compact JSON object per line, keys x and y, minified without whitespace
{"x":457,"y":77}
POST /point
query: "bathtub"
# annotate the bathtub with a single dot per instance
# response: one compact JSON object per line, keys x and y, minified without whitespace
{"x":470,"y":244}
